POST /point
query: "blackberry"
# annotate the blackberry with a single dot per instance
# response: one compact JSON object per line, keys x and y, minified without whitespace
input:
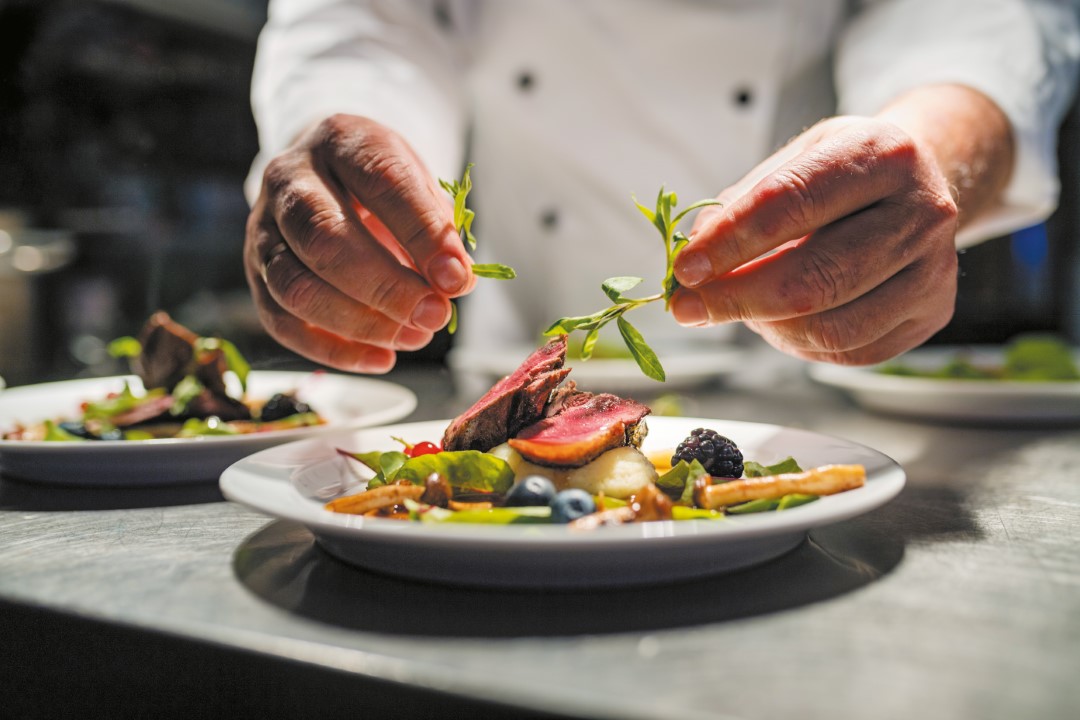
{"x":281,"y":406}
{"x":718,"y":455}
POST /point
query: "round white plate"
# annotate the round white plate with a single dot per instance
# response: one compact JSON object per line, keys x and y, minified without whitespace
{"x":346,"y":402}
{"x":986,"y":401}
{"x":294,"y":481}
{"x":685,"y":366}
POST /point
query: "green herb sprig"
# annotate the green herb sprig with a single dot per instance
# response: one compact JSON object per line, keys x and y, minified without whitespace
{"x":616,"y":287}
{"x":463,"y":220}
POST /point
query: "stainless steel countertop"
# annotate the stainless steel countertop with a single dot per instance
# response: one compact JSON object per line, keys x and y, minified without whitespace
{"x":959,"y":599}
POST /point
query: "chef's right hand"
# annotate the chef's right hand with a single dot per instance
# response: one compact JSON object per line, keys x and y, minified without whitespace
{"x":350,"y":249}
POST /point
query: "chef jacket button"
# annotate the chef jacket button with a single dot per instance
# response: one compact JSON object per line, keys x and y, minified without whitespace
{"x":743,"y":96}
{"x":549,"y":219}
{"x":525,"y":81}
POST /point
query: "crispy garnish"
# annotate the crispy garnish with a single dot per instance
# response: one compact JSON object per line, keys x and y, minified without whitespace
{"x":825,"y":480}
{"x":380,"y":497}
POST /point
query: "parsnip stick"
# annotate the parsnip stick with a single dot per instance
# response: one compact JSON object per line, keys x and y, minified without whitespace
{"x":380,"y":497}
{"x":825,"y":480}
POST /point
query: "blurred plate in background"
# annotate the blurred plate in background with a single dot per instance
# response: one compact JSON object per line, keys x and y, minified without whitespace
{"x":1000,"y":402}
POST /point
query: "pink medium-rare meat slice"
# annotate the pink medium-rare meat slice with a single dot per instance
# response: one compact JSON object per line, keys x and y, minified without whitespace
{"x":586,"y":428}
{"x":512,"y":403}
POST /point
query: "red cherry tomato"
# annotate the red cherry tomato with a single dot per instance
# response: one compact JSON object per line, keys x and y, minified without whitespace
{"x":423,"y":448}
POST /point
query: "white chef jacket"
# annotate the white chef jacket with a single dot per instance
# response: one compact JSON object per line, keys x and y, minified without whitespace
{"x":570,"y":107}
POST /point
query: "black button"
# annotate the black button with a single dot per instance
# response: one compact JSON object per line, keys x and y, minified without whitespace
{"x":442,"y":15}
{"x":549,"y":219}
{"x":743,"y":96}
{"x":525,"y":81}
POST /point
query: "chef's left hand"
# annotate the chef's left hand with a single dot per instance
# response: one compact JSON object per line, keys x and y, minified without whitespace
{"x":844,"y":250}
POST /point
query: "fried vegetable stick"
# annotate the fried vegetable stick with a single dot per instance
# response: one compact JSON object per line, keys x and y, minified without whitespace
{"x":824,"y":480}
{"x":380,"y":497}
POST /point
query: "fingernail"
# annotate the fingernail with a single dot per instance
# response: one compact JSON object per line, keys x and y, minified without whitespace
{"x":693,"y":268}
{"x":689,"y":309}
{"x":412,"y":339}
{"x":448,"y":273}
{"x":430,"y":314}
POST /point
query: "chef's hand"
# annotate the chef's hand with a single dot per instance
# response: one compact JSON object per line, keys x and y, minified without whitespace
{"x":350,"y":250}
{"x":840,"y":248}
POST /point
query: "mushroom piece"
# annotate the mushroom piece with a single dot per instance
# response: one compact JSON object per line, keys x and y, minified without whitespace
{"x":437,"y":491}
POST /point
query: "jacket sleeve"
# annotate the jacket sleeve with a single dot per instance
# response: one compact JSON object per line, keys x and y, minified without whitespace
{"x":395,"y":61}
{"x":1022,"y":54}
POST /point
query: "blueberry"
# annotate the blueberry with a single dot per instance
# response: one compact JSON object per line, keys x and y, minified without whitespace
{"x":76,"y":428}
{"x":570,"y":505}
{"x":532,"y":490}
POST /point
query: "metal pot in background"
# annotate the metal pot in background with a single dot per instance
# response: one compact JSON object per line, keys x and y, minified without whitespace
{"x":27,"y":257}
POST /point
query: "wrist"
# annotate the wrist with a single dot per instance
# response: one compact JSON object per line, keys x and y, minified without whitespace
{"x":966,"y":134}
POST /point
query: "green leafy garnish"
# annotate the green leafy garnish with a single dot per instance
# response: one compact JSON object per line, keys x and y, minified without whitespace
{"x":495,"y":271}
{"x":463,"y":220}
{"x":122,"y":402}
{"x":1040,"y":358}
{"x":464,"y":470}
{"x":463,"y":216}
{"x":209,"y":426}
{"x":794,"y":500}
{"x":678,"y":482}
{"x":491,"y":516}
{"x":55,"y":433}
{"x":185,"y":391}
{"x":754,"y":469}
{"x":1032,"y":357}
{"x":616,"y":287}
{"x":234,"y":361}
{"x":126,"y":347}
{"x":754,"y":506}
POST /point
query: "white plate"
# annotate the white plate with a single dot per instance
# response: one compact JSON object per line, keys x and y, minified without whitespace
{"x":294,"y":481}
{"x":685,"y":366}
{"x":986,"y":401}
{"x":346,"y":402}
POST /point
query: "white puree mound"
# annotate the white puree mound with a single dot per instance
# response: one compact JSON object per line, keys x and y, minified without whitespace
{"x":617,"y":473}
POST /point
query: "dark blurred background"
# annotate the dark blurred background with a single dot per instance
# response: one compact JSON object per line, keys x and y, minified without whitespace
{"x":126,"y":133}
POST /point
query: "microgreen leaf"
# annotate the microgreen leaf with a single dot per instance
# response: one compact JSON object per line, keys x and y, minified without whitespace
{"x":496,"y":271}
{"x":616,"y":286}
{"x":589,"y":343}
{"x":649,"y":214}
{"x":643,"y":354}
{"x":463,"y":220}
{"x":693,"y":207}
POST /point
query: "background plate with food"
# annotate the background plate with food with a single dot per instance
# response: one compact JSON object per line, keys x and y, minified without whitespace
{"x":967,"y":384}
{"x":342,"y":402}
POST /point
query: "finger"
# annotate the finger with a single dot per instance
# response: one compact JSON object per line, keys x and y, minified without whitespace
{"x":304,"y":295}
{"x":313,"y":343}
{"x":895,"y":316}
{"x":829,"y":268}
{"x":325,"y":235}
{"x":829,"y":180}
{"x":902,"y":338}
{"x":387,"y":178}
